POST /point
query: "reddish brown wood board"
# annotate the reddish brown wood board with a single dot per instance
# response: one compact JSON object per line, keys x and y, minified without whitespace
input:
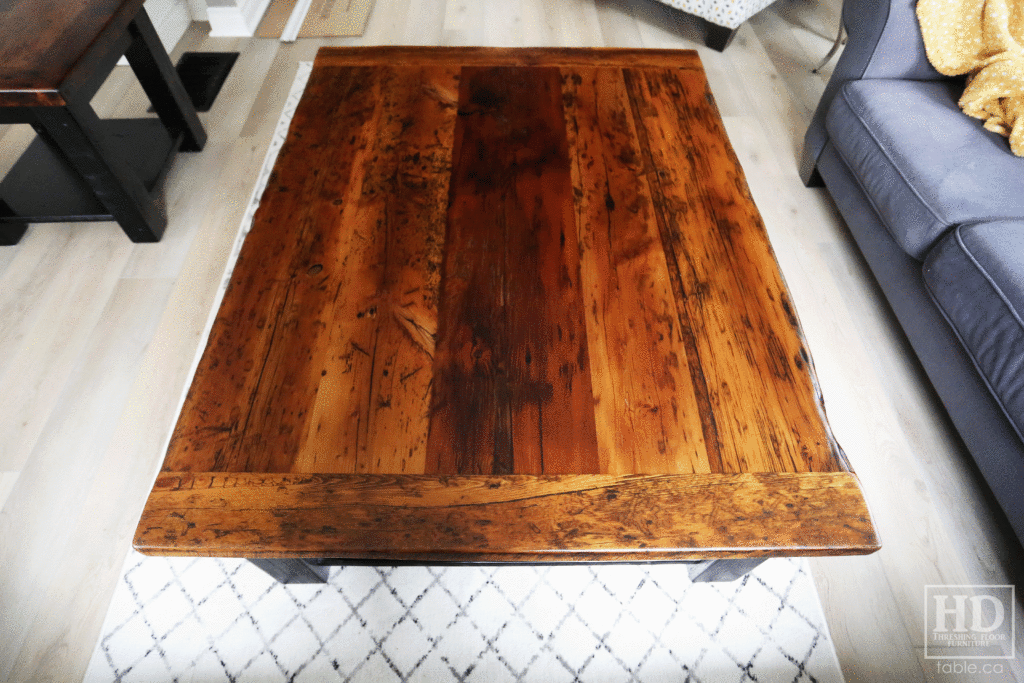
{"x":517,"y":518}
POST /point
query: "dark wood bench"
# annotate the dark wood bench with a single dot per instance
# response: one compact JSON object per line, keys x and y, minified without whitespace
{"x":53,"y":59}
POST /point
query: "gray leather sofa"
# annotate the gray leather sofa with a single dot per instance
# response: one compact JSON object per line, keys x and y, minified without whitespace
{"x":936,"y":205}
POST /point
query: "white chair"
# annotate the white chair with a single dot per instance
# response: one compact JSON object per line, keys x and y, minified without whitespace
{"x":721,"y":17}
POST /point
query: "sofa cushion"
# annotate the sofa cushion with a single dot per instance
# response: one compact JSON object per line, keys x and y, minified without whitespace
{"x":899,"y":50}
{"x":924,"y":165}
{"x":976,"y":277}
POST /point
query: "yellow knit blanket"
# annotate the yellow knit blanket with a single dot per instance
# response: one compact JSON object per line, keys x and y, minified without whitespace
{"x":984,"y":39}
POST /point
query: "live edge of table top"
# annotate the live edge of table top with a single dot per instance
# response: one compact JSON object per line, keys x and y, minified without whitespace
{"x":506,"y":305}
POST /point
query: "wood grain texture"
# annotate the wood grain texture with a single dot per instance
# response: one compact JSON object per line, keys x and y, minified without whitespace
{"x":472,"y":265}
{"x":511,"y":375}
{"x":751,"y":354}
{"x":513,"y":518}
{"x":326,"y":333}
{"x":648,"y":415}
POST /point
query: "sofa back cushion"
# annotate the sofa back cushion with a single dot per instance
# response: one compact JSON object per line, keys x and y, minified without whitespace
{"x":899,"y":51}
{"x":885,"y":43}
{"x":925,"y":166}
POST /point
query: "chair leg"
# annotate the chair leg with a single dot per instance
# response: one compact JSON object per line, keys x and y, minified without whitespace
{"x":718,"y":37}
{"x":831,"y":53}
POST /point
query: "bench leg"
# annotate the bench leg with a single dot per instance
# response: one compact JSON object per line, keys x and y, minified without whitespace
{"x":288,"y":570}
{"x":72,"y":130}
{"x":722,"y":570}
{"x":10,"y":233}
{"x":153,"y":68}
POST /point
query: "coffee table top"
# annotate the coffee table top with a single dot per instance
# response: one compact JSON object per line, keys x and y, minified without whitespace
{"x":43,"y":42}
{"x":506,"y":305}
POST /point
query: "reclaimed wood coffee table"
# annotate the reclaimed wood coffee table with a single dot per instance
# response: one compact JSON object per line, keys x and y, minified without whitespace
{"x":505,"y":306}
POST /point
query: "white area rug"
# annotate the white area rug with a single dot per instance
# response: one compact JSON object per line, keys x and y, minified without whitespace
{"x":205,"y":620}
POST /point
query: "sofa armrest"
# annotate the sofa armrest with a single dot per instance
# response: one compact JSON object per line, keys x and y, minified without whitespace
{"x":884,"y":42}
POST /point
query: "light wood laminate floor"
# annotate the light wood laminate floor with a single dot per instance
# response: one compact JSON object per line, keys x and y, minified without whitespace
{"x":98,"y":337}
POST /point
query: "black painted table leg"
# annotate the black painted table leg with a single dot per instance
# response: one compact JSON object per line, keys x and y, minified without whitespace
{"x":722,"y":570}
{"x":72,"y":130}
{"x":293,"y":570}
{"x":153,"y":68}
{"x":10,"y":233}
{"x":718,"y":37}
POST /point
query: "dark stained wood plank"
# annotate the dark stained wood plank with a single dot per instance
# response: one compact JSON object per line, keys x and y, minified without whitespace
{"x":647,"y":412}
{"x":513,"y":518}
{"x":499,"y":56}
{"x":767,"y":410}
{"x":512,"y":391}
{"x":42,"y":43}
{"x":320,"y":357}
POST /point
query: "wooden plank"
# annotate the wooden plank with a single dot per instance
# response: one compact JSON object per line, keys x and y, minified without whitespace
{"x":649,"y":418}
{"x":272,"y":265}
{"x":379,"y":412}
{"x":319,"y":360}
{"x":509,"y":518}
{"x":323,"y":331}
{"x":512,"y":388}
{"x":491,"y":56}
{"x":748,"y":340}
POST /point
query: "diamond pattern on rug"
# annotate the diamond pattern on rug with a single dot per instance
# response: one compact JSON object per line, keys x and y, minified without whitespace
{"x":187,"y":619}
